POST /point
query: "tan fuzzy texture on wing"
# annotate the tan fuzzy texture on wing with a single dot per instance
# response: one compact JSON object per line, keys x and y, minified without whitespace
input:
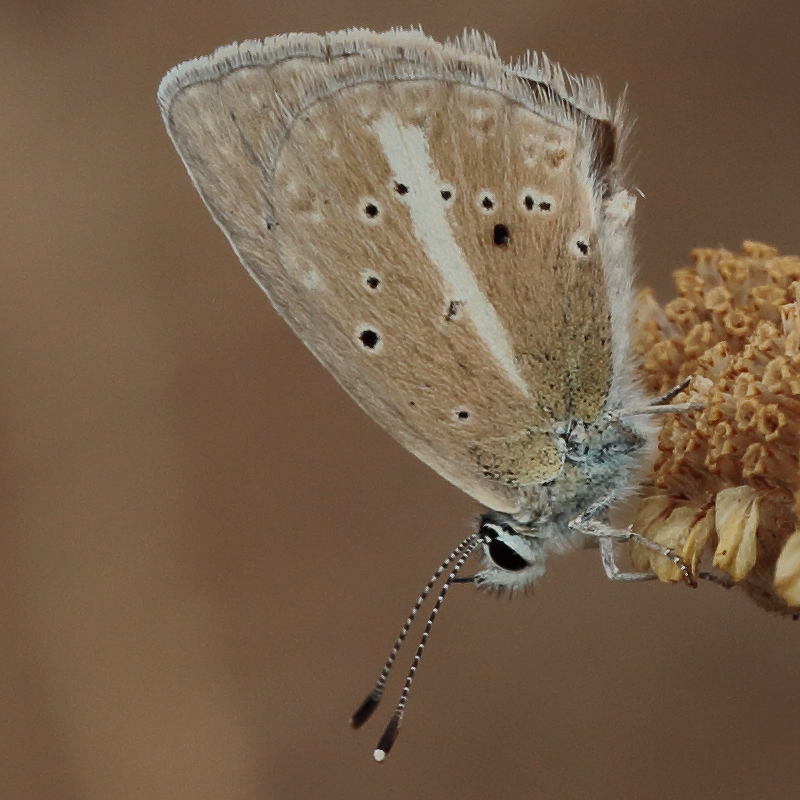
{"x":726,"y":483}
{"x":445,"y":232}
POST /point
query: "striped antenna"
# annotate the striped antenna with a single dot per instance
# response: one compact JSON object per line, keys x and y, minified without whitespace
{"x":366,"y":709}
{"x":387,"y":740}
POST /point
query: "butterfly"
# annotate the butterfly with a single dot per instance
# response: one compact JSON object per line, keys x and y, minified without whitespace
{"x":451,"y":237}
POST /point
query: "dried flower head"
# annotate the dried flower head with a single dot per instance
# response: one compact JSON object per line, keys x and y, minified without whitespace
{"x":726,"y":480}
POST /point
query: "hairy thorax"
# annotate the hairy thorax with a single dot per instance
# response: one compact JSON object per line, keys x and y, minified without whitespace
{"x":598,"y":459}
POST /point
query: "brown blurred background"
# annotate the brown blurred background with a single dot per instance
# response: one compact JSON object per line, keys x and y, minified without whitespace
{"x":207,"y":549}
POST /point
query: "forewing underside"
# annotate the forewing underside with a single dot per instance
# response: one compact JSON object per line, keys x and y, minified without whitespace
{"x":432,"y":239}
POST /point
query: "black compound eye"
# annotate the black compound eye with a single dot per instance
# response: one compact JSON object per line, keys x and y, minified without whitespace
{"x":503,"y":556}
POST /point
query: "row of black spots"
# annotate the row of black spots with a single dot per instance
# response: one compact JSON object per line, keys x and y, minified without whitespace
{"x":486,"y":202}
{"x":371,"y":209}
{"x":446,"y":191}
{"x":530,"y":201}
{"x":534,"y":202}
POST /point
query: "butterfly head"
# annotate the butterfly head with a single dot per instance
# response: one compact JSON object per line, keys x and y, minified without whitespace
{"x":513,"y":558}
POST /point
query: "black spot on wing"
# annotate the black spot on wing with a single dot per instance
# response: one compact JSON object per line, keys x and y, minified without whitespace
{"x":369,"y":338}
{"x":501,"y":235}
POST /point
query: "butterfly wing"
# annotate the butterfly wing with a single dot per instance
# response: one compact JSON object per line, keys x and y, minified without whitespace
{"x":434,"y":225}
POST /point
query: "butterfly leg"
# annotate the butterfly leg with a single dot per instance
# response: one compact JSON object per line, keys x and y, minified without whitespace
{"x":660,"y":405}
{"x":613,"y":572}
{"x":601,"y":531}
{"x":669,"y":396}
{"x":608,"y":537}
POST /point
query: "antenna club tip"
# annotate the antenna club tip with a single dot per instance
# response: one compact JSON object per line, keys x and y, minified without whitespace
{"x":386,"y":742}
{"x":365,"y":710}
